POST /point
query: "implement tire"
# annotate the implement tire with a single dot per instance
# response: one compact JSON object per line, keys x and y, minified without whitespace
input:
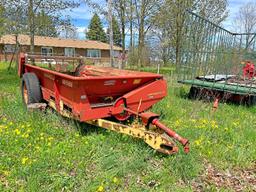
{"x":194,"y":93}
{"x":251,"y":100}
{"x":30,"y":89}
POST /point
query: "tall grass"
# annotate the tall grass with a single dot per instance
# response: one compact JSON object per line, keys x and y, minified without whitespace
{"x":43,"y":151}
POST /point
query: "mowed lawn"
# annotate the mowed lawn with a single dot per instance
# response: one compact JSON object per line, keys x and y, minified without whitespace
{"x":42,"y":151}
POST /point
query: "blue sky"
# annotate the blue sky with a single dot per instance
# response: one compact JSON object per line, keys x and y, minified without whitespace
{"x":81,"y":16}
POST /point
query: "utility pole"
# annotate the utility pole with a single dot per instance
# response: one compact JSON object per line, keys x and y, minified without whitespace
{"x":111,"y":42}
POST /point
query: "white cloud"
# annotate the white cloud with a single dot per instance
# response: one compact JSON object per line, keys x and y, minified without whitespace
{"x":81,"y":29}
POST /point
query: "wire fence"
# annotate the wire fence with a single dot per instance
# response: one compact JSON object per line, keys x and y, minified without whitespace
{"x":216,"y":58}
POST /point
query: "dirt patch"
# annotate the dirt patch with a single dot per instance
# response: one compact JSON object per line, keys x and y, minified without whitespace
{"x":4,"y":181}
{"x":235,"y":179}
{"x":5,"y":95}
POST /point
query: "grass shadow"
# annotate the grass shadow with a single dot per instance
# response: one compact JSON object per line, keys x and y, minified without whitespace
{"x":86,"y":129}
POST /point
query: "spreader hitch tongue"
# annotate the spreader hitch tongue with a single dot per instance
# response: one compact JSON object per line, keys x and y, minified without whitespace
{"x":172,"y":134}
{"x":152,"y":118}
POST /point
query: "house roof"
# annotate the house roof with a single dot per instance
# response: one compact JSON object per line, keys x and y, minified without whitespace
{"x":56,"y":42}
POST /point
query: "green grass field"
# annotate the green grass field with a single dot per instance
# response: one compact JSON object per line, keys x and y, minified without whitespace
{"x":42,"y":151}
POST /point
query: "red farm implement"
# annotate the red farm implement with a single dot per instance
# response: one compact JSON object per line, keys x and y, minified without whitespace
{"x":104,"y":97}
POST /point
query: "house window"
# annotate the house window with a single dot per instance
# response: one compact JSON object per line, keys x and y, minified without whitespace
{"x":47,"y":51}
{"x":93,"y":53}
{"x":9,"y":48}
{"x":69,"y":52}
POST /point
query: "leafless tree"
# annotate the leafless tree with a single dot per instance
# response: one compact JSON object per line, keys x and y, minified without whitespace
{"x":68,"y":32}
{"x":245,"y":21}
{"x":170,"y":27}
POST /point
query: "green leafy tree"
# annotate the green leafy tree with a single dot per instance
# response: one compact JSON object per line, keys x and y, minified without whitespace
{"x":95,"y":30}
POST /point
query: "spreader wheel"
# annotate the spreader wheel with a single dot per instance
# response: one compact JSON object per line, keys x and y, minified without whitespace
{"x":30,"y":89}
{"x":124,"y":115}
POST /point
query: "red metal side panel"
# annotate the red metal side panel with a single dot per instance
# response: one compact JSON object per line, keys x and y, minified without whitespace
{"x":144,"y":97}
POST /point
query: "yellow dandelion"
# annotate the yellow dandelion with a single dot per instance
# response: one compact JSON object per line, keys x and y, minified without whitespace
{"x":25,"y":135}
{"x":197,"y":142}
{"x":115,"y":180}
{"x":24,"y":160}
{"x":100,"y":189}
{"x":204,"y":121}
{"x":17,"y":131}
{"x":50,"y":138}
{"x":177,"y":123}
{"x":6,"y":173}
{"x":49,"y":144}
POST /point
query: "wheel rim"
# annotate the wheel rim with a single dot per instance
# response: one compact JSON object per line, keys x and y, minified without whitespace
{"x":25,"y":94}
{"x":124,"y":115}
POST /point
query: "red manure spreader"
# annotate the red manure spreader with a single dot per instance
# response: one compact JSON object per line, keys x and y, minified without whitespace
{"x":104,"y":97}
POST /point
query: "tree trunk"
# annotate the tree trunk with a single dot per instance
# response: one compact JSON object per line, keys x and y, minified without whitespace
{"x":14,"y":53}
{"x":123,"y":33}
{"x":111,"y":33}
{"x":31,"y":26}
{"x":17,"y":51}
{"x":131,"y":25}
{"x":141,"y":43}
{"x":141,"y":34}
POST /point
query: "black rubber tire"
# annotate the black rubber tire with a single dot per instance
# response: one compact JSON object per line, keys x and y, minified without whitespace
{"x":193,"y":93}
{"x":34,"y":92}
{"x":251,"y":100}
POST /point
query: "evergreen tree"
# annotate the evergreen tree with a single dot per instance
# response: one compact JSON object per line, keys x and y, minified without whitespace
{"x":116,"y":33}
{"x":95,"y":30}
